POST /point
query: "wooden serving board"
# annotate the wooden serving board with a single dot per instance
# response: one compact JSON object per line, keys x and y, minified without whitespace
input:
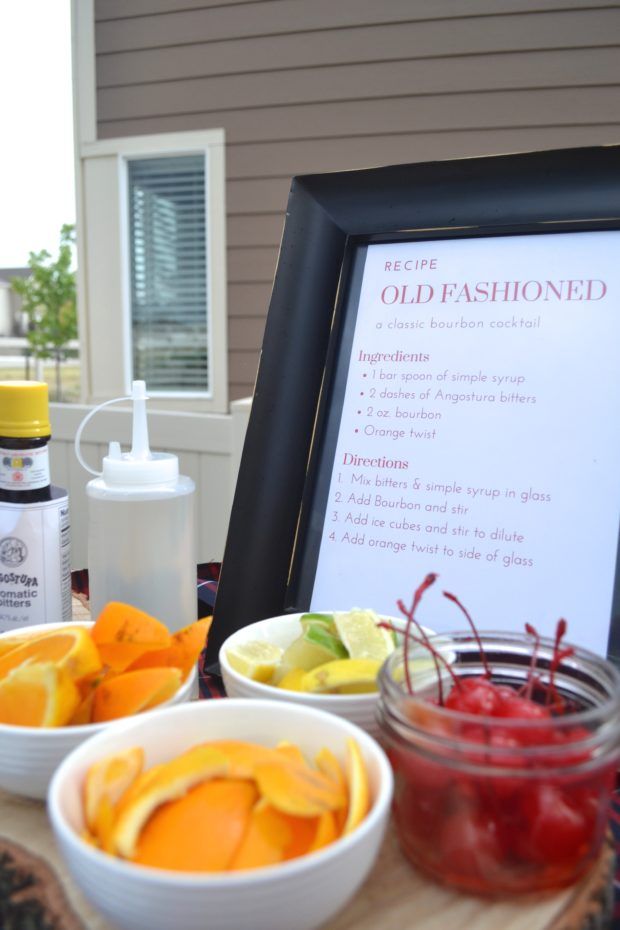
{"x":394,"y":897}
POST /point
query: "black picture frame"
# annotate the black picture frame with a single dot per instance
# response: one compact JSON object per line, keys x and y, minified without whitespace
{"x":327,"y":217}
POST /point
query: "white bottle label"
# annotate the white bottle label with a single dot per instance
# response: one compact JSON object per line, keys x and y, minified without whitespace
{"x":35,"y":563}
{"x":24,"y":469}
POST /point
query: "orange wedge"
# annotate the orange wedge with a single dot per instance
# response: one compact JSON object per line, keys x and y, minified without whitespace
{"x":37,"y":695}
{"x":123,"y":633}
{"x":170,"y":780}
{"x":183,"y":651}
{"x":132,"y":692}
{"x":72,"y":650}
{"x":9,"y":642}
{"x":359,"y":789}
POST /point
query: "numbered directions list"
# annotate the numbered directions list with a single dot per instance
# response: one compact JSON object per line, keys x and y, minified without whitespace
{"x":479,"y":436}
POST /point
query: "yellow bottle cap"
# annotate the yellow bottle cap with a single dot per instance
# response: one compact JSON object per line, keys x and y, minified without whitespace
{"x":24,"y":409}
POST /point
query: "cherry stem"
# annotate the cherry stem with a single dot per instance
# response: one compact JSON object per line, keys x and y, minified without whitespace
{"x":409,"y":614}
{"x":455,"y":600}
{"x":531,"y":675}
{"x":558,"y":657}
{"x":436,"y":656}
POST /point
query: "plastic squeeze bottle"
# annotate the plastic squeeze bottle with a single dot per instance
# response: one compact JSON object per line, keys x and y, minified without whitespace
{"x":35,"y":540}
{"x":141,"y":546}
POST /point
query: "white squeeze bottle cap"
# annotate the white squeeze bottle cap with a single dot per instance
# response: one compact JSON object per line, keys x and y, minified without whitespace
{"x":140,"y":466}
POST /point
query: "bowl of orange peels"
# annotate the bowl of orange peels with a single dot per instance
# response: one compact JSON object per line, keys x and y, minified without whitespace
{"x":61,"y":683}
{"x":352,"y":695}
{"x":323,"y":760}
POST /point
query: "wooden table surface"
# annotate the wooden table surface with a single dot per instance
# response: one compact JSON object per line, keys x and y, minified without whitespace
{"x":394,"y":897}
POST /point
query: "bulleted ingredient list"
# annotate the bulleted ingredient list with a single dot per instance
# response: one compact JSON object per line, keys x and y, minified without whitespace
{"x":479,"y":435}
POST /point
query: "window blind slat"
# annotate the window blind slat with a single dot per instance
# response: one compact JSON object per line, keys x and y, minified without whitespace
{"x":169,"y":272}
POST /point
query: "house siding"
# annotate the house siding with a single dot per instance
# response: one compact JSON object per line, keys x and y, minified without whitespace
{"x":305,"y":86}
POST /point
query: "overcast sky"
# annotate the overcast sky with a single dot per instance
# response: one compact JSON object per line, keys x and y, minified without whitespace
{"x":36,"y":134}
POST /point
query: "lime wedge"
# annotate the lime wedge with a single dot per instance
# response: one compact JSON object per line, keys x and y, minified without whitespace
{"x":256,"y":660}
{"x":315,"y":646}
{"x":361,"y":635}
{"x":326,"y":620}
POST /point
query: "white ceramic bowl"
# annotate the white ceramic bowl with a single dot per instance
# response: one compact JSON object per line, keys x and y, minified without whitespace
{"x":296,"y":895}
{"x":30,"y":755}
{"x":282,"y":631}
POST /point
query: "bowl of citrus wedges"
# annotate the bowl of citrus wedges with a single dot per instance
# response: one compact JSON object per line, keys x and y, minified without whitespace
{"x":60,"y":683}
{"x":324,"y":659}
{"x":222,"y":814}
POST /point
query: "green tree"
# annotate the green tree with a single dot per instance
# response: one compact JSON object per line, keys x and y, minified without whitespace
{"x":48,"y":299}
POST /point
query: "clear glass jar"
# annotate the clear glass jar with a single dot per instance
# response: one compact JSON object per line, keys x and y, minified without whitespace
{"x":499,"y":805}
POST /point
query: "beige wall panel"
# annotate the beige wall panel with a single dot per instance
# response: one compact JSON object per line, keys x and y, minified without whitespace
{"x":259,"y":195}
{"x":275,"y":16}
{"x":241,"y":391}
{"x":264,"y":229}
{"x":528,"y":107}
{"x":246,"y":300}
{"x":245,"y":333}
{"x":315,"y":156}
{"x":468,"y":73}
{"x":124,"y":9}
{"x":252,"y":264}
{"x":438,"y":38}
{"x":243,"y":366}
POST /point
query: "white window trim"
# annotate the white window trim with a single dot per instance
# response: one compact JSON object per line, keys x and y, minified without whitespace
{"x":209,"y":143}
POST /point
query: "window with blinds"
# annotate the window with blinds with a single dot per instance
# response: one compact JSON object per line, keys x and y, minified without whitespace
{"x":168,"y":273}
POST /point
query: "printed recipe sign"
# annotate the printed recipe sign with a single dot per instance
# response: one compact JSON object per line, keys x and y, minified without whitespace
{"x":479,"y":435}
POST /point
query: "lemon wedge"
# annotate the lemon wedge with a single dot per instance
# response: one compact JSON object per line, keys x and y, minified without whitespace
{"x":293,"y":680}
{"x":256,"y":660}
{"x":341,"y":673}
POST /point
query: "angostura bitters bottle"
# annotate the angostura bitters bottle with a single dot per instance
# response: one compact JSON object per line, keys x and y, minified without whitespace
{"x":35,"y":564}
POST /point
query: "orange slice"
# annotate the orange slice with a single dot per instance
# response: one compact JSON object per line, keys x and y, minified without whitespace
{"x":169,"y":781}
{"x":359,"y":789}
{"x":110,"y":778}
{"x":265,"y":840}
{"x":133,"y":692}
{"x":291,"y":752}
{"x":298,"y":790}
{"x":123,"y":633}
{"x":244,"y":757}
{"x":72,"y":649}
{"x":201,"y":831}
{"x":326,"y":832}
{"x":37,"y":695}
